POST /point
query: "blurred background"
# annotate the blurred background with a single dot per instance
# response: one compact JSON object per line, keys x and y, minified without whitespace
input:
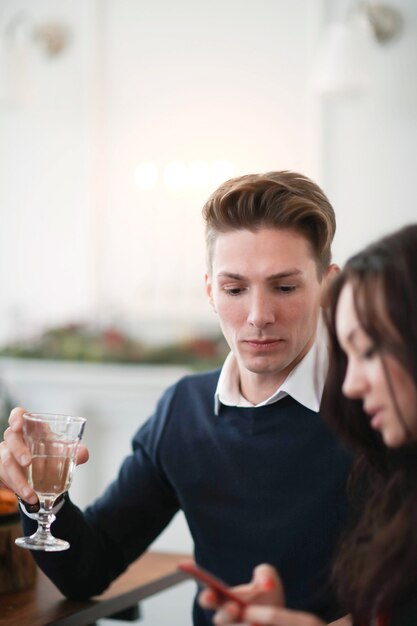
{"x":118,"y":118}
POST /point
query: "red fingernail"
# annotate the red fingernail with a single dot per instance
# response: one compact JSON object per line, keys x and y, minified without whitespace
{"x":268,"y":584}
{"x":210,"y":595}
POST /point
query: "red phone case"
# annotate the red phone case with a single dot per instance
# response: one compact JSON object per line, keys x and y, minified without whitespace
{"x":202,"y":575}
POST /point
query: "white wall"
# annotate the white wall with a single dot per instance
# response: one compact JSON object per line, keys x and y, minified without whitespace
{"x":46,"y":147}
{"x":187,"y":81}
{"x":369,"y":141}
{"x":141,"y":81}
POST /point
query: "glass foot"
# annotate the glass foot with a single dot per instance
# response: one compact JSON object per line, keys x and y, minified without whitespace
{"x":51,"y":544}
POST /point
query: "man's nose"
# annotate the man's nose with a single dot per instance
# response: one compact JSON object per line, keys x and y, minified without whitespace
{"x":261,"y":312}
{"x":354,"y":384}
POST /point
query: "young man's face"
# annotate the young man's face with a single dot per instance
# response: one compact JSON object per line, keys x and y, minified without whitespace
{"x":265,"y":290}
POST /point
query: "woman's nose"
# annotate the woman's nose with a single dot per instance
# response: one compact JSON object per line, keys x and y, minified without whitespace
{"x":354,"y":384}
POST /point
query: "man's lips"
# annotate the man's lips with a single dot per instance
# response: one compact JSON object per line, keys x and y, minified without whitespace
{"x":262,"y":343}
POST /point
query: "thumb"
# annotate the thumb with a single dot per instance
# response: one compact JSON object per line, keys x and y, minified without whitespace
{"x":82,"y":454}
{"x":267,"y":580}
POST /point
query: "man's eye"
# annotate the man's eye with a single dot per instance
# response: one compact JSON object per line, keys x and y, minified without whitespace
{"x":233,"y":291}
{"x":286,"y":288}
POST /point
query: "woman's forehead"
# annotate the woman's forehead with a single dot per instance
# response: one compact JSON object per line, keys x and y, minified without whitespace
{"x":347,"y":323}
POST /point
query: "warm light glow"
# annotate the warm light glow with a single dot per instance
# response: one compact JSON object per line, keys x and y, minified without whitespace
{"x":176,"y":176}
{"x":145,"y":175}
{"x":221,"y":171}
{"x":198,"y":174}
{"x":180,"y":176}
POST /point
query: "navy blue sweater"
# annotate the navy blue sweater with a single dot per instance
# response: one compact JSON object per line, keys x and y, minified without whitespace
{"x":263,"y":484}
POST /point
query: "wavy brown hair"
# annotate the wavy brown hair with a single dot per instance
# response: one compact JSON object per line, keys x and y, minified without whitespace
{"x":377,"y":563}
{"x":283,"y":200}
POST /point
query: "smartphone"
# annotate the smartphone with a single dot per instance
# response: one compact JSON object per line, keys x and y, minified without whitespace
{"x":203,"y":576}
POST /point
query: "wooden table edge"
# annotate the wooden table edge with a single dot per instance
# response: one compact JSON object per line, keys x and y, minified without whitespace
{"x":126,"y":591}
{"x":99,"y":609}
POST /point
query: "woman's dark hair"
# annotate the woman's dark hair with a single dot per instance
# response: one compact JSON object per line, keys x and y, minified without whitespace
{"x":377,"y":563}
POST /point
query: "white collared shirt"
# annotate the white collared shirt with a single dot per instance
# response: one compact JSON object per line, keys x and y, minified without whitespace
{"x":304,"y":383}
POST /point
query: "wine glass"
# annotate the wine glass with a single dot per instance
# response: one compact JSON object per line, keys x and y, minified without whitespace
{"x":52,"y":441}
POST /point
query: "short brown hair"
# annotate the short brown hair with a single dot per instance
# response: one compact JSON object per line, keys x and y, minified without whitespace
{"x":282,"y":200}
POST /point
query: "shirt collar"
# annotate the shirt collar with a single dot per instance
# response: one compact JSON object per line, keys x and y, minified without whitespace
{"x":304,"y":383}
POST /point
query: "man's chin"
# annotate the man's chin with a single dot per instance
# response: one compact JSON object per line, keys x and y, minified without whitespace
{"x":255,"y":366}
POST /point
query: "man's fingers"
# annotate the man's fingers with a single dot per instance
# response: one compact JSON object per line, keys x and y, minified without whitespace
{"x":17,"y":447}
{"x":15,"y":457}
{"x":14,"y":476}
{"x":16,"y":419}
{"x":82,"y":454}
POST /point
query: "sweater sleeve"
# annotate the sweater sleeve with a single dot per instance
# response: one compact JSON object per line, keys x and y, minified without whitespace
{"x":119,"y":526}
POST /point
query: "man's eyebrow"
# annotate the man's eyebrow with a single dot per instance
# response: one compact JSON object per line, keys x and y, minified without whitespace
{"x":230,"y":275}
{"x":285,"y":274}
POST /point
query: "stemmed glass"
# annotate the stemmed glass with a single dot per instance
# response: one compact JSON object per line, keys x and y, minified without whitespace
{"x":52,"y":441}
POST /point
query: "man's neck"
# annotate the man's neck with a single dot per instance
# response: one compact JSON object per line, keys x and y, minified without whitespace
{"x":257,"y":388}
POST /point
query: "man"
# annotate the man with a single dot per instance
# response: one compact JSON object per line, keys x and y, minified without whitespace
{"x":243,"y":451}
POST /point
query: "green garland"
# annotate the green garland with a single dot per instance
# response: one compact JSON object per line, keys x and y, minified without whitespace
{"x":82,"y":343}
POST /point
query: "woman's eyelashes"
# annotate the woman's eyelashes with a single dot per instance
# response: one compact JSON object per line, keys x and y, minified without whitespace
{"x":369,"y":352}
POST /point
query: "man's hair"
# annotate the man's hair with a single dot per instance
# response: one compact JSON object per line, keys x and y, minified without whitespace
{"x":281,"y":200}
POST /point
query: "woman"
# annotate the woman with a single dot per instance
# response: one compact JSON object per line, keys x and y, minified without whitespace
{"x":372,"y":324}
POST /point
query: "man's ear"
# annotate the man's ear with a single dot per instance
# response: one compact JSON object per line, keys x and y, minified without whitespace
{"x":330,"y":273}
{"x":209,"y":291}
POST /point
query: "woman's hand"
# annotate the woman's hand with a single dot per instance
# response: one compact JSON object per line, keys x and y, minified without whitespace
{"x":265,"y":598}
{"x":278,"y":616}
{"x":264,"y":589}
{"x":15,"y":458}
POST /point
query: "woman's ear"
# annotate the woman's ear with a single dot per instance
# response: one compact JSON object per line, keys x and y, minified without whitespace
{"x":331,"y":272}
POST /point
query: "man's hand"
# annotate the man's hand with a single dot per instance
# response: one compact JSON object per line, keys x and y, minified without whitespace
{"x":15,"y":458}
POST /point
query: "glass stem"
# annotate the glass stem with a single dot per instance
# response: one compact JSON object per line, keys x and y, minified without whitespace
{"x":45,"y":519}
